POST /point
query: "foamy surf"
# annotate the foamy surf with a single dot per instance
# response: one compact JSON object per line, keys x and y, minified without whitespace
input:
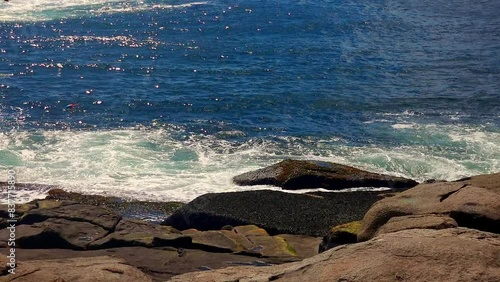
{"x":41,"y":10}
{"x":162,"y":164}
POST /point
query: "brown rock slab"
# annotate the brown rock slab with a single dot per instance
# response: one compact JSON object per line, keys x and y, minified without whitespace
{"x":46,"y":209}
{"x":427,"y":221}
{"x":251,"y":229}
{"x":214,"y":241}
{"x":267,"y":246}
{"x":99,"y":269}
{"x":137,"y":233}
{"x":487,"y":181}
{"x":56,"y":233}
{"x":252,"y":240}
{"x":454,"y":254}
{"x":159,"y":263}
{"x":297,"y":174}
{"x":304,"y":246}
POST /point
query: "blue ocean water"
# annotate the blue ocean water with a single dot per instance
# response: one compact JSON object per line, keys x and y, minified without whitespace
{"x":167,"y":100}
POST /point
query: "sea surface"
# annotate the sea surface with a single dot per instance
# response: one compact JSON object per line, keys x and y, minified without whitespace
{"x":168,"y":100}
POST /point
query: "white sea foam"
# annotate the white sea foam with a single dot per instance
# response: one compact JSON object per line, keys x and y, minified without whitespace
{"x":145,"y":7}
{"x":39,"y":10}
{"x":402,"y":125}
{"x":151,"y":164}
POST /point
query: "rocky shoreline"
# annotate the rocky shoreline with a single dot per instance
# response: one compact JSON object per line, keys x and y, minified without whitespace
{"x":434,"y":231}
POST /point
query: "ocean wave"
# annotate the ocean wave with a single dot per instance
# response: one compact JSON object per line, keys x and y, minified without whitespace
{"x":172,"y":164}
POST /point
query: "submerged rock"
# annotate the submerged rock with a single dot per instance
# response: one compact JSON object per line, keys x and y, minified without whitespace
{"x":276,"y":212}
{"x":295,"y":174}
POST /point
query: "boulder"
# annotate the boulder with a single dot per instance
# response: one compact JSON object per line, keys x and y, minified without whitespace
{"x":453,"y":254}
{"x":468,"y":205}
{"x":99,"y":269}
{"x":339,"y":235}
{"x":295,"y":174}
{"x":276,"y":212}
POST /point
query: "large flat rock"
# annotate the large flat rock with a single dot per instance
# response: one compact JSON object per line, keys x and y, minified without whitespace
{"x":454,"y":254}
{"x":98,"y":269}
{"x":276,"y":212}
{"x":295,"y":174}
{"x":159,"y":263}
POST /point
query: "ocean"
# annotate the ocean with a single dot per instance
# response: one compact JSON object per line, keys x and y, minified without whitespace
{"x":168,"y":100}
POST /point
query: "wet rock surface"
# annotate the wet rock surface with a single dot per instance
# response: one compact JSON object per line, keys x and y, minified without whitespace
{"x":63,"y":229}
{"x":297,"y":174}
{"x":436,"y":231}
{"x":277,"y":212}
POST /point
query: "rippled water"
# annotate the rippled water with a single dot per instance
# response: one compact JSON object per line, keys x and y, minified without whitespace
{"x":168,"y":100}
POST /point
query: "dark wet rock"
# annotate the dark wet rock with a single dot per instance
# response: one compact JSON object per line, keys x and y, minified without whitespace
{"x":295,"y":174}
{"x":19,"y":210}
{"x":276,"y":212}
{"x":454,"y":254}
{"x":151,"y":211}
{"x":340,"y":235}
{"x":473,"y":202}
{"x":130,"y":233}
{"x":99,"y":269}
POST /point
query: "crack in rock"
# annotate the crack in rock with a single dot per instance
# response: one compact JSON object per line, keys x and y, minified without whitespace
{"x":445,"y":196}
